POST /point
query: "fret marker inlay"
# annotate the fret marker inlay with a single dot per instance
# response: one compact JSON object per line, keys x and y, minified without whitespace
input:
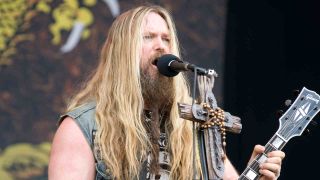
{"x":292,"y":123}
{"x":251,"y":174}
{"x":262,"y":158}
{"x":277,"y":142}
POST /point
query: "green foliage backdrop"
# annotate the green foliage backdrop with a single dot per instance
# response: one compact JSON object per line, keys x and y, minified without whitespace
{"x":48,"y":47}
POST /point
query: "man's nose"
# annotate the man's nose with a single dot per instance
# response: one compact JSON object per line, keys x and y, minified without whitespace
{"x":160,"y":44}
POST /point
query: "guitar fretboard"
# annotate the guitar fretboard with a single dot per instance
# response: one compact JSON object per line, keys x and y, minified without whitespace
{"x":252,"y":171}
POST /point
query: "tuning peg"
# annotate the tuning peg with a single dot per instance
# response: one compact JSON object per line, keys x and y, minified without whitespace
{"x":288,"y":102}
{"x":313,"y":123}
{"x":279,"y":113}
{"x":295,"y":92}
{"x":306,"y":132}
{"x":311,"y":126}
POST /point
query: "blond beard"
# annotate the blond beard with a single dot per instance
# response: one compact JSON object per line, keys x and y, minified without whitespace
{"x":158,"y":94}
{"x":157,"y":91}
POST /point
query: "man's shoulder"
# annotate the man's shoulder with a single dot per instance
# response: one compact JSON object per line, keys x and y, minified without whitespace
{"x":84,"y":114}
{"x":84,"y":117}
{"x":83,"y":110}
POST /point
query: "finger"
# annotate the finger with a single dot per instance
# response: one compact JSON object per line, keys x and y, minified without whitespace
{"x":280,"y":154}
{"x":274,"y":160}
{"x":267,"y":169}
{"x":266,"y":174}
{"x":258,"y":149}
{"x":271,"y":167}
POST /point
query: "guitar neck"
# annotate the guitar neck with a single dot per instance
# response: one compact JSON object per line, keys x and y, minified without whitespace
{"x":252,"y":171}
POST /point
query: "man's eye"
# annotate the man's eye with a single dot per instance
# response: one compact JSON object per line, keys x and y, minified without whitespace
{"x":147,"y":37}
{"x":166,"y":39}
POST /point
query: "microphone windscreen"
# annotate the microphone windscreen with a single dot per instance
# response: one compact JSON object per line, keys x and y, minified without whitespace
{"x":163,"y":65}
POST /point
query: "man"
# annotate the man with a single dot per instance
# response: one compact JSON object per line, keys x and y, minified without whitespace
{"x":124,"y":123}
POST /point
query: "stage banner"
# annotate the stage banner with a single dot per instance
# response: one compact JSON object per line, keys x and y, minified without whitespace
{"x":48,"y":47}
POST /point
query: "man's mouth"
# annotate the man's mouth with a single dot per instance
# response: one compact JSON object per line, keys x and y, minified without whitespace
{"x":154,"y":62}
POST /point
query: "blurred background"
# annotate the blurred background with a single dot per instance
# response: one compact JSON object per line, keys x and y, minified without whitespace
{"x":264,"y":51}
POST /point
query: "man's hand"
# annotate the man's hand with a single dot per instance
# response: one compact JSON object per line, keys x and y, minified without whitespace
{"x":270,"y":169}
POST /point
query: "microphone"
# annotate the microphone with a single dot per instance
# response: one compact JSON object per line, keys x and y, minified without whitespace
{"x":170,"y":65}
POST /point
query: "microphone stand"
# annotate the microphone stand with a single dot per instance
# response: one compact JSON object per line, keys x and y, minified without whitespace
{"x":210,"y":124}
{"x":194,"y":124}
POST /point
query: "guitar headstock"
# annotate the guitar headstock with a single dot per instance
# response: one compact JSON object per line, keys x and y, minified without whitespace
{"x":294,"y":121}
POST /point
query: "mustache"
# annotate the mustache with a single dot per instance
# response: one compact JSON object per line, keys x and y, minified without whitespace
{"x":154,"y":58}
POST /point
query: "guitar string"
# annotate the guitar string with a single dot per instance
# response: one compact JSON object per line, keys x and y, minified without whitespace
{"x":269,"y":146}
{"x":313,"y":112}
{"x":254,"y":165}
{"x":287,"y":122}
{"x":307,"y":115}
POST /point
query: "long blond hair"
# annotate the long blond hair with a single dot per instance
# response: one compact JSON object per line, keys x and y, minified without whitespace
{"x":116,"y":88}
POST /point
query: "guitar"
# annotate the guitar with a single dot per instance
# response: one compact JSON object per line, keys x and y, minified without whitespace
{"x":292,"y":123}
